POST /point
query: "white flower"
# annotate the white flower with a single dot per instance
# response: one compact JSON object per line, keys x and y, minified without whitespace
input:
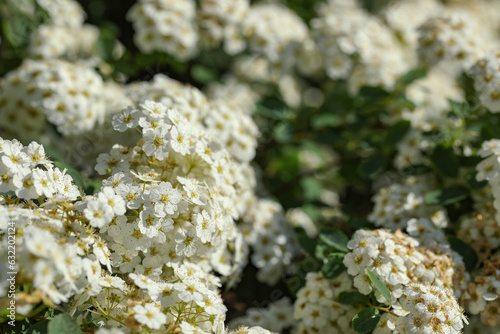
{"x":205,"y":226}
{"x":149,"y":223}
{"x":131,"y":192}
{"x":44,"y":274}
{"x":165,"y":198}
{"x":156,"y":142}
{"x":186,"y":242}
{"x":10,"y":178}
{"x":26,"y":188}
{"x":190,"y":290}
{"x":150,"y":315}
{"x":107,"y":195}
{"x":36,"y":155}
{"x":13,"y":156}
{"x":190,"y":329}
{"x":180,"y":139}
{"x":98,"y":213}
{"x":126,"y":119}
{"x":192,"y":190}
{"x":38,"y":241}
{"x":153,"y":110}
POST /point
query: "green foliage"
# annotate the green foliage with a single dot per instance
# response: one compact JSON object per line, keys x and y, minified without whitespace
{"x":322,"y":121}
{"x":410,"y":77}
{"x":445,"y":161}
{"x":366,"y":320}
{"x":306,"y":243}
{"x":333,"y":265}
{"x":379,"y":285}
{"x":75,"y":174}
{"x":40,"y":327}
{"x":105,"y":44}
{"x":468,"y":254}
{"x":203,"y":74}
{"x":397,"y":132}
{"x":63,"y":323}
{"x":446,"y":196}
{"x":373,"y":166}
{"x":353,"y":298}
{"x":334,"y":238}
{"x":18,"y":24}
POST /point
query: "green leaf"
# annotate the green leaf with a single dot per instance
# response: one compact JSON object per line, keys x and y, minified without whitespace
{"x":53,"y":153}
{"x":445,"y":161}
{"x":489,"y":131}
{"x":321,"y":251}
{"x":311,"y":187}
{"x":414,"y":170}
{"x":105,"y":44}
{"x":353,"y":298}
{"x":312,"y":211}
{"x":466,"y":251}
{"x":203,"y":74}
{"x":471,"y":161}
{"x":63,"y":323}
{"x":325,"y":120}
{"x":358,"y":223}
{"x":92,"y":186}
{"x":294,"y":284}
{"x":306,"y":243}
{"x":373,"y":166}
{"x":411,"y":76}
{"x":76,"y":175}
{"x":334,"y":265}
{"x":447,"y":195}
{"x":18,"y":25}
{"x":334,"y":238}
{"x":17,"y":31}
{"x":397,"y":132}
{"x":373,"y":92}
{"x":283,"y":132}
{"x":473,"y":183}
{"x":379,"y":285}
{"x":38,"y":328}
{"x":461,"y":109}
{"x":366,"y":320}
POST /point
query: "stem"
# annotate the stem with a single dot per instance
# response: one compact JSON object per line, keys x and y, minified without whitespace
{"x":98,"y":306}
{"x":36,"y":311}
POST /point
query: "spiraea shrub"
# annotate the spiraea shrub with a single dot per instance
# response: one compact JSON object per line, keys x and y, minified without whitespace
{"x":237,"y":166}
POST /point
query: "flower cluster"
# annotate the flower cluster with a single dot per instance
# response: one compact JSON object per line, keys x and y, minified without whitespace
{"x":480,"y":231}
{"x":317,"y":309}
{"x":222,"y":119}
{"x":489,"y":168}
{"x":483,"y":293}
{"x":61,"y":42}
{"x":272,"y":239}
{"x":277,"y":316}
{"x":220,"y":21}
{"x":55,"y":249}
{"x":398,"y":260}
{"x":430,"y":96}
{"x":431,"y":310}
{"x":357,"y":46}
{"x":66,"y":95}
{"x":449,"y":38}
{"x":165,"y":25}
{"x":274,"y":32}
{"x":397,"y":204}
{"x":67,"y":13}
{"x":486,"y":74}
